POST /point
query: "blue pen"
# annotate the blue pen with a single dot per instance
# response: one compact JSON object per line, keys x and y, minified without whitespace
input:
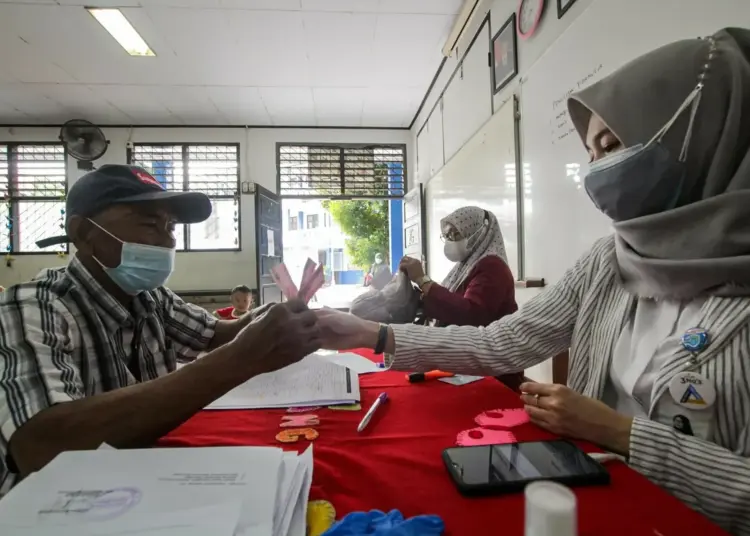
{"x":382,"y":397}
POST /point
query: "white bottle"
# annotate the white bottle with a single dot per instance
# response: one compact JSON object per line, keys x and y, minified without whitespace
{"x":551,"y":510}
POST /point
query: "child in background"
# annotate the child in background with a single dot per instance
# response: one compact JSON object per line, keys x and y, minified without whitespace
{"x":241,"y":299}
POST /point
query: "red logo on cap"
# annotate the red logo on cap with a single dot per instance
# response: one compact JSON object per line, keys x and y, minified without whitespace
{"x":148,"y":179}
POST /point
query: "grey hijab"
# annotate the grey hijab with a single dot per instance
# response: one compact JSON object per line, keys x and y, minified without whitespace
{"x":702,"y":247}
{"x":482,"y":242}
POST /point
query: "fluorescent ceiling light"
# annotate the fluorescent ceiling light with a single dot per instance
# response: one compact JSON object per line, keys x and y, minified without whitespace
{"x":120,"y":28}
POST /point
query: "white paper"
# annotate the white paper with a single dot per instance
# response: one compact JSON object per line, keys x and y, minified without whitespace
{"x":271,"y":245}
{"x":355,"y":362}
{"x":298,"y":526}
{"x":116,"y":490}
{"x":311,"y":382}
{"x":217,"y":520}
{"x":461,"y":379}
{"x":289,"y":486}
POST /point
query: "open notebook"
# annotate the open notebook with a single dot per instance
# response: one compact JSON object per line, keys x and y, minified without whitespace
{"x":311,"y":382}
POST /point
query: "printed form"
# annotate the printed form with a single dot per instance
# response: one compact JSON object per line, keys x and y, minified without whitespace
{"x":222,"y":491}
{"x":310,"y":382}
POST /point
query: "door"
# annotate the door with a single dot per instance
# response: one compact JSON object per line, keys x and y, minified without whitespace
{"x":414,"y":224}
{"x":270,"y":249}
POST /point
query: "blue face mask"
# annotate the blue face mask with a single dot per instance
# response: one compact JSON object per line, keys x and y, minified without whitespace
{"x":643,"y":179}
{"x":142,"y":268}
{"x":635,"y":182}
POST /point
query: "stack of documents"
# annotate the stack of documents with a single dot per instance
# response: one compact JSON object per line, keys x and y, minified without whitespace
{"x":311,"y":382}
{"x":354,"y":362}
{"x":222,"y":491}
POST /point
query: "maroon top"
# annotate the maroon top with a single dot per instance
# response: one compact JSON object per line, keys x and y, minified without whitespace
{"x":487,"y":294}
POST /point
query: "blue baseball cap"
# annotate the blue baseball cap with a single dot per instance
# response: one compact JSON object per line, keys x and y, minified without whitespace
{"x":114,"y":184}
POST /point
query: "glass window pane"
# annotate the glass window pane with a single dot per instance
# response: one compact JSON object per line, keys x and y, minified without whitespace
{"x":220,"y":230}
{"x":40,"y":171}
{"x":37,"y":220}
{"x":213,"y":169}
{"x":3,"y":173}
{"x":4,"y":229}
{"x":164,"y":162}
{"x":179,"y":237}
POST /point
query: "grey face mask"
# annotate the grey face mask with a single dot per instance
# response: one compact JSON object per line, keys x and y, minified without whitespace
{"x":643,"y":179}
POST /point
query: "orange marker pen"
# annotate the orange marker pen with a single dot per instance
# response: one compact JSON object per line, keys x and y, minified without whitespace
{"x":417,"y":377}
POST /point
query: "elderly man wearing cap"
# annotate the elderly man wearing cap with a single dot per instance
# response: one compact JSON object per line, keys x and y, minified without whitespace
{"x":88,"y":352}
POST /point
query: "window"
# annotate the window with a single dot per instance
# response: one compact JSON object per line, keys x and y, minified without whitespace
{"x":312,"y":221}
{"x":326,"y":171}
{"x":338,"y":260}
{"x":33,"y":186}
{"x":293,"y":223}
{"x":211,"y":169}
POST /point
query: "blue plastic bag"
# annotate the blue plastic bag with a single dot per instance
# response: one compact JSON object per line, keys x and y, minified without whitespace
{"x":377,"y":523}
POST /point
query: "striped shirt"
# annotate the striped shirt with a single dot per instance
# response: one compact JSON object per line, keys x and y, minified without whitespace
{"x":585,"y":312}
{"x":63,"y":337}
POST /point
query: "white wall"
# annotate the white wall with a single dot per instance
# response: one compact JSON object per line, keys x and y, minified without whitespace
{"x":456,"y":120}
{"x":458,"y":105}
{"x":204,"y":270}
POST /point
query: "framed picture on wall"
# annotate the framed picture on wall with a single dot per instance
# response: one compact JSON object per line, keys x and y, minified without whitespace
{"x":504,"y":54}
{"x":563,"y":6}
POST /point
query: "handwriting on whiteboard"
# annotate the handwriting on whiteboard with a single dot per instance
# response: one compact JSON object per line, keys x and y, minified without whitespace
{"x":560,"y":124}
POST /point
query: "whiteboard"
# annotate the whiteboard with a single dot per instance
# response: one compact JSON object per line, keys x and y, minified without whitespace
{"x":483,"y":174}
{"x":560,"y":222}
{"x":467,"y":101}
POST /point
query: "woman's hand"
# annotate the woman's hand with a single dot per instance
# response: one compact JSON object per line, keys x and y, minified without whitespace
{"x":565,"y":412}
{"x":412,"y":268}
{"x":344,"y":331}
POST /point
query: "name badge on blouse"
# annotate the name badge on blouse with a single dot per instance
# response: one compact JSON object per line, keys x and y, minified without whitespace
{"x":692,"y":391}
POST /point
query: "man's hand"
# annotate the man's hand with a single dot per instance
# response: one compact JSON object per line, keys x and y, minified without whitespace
{"x":344,"y":331}
{"x":260,"y":311}
{"x":281,"y":336}
{"x":565,"y":412}
{"x":412,"y":268}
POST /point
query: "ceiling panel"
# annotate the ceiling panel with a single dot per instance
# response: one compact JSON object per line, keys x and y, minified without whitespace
{"x":390,"y":106}
{"x":289,"y":106}
{"x":80,"y":102}
{"x":32,"y":103}
{"x":290,"y":62}
{"x":191,"y":105}
{"x":346,"y":6}
{"x":441,"y":7}
{"x":137,"y":102}
{"x":340,"y":47}
{"x":268,"y":49}
{"x":339,"y":106}
{"x":241,"y":106}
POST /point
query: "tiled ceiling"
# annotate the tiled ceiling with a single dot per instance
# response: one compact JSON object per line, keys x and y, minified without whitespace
{"x":347,"y":63}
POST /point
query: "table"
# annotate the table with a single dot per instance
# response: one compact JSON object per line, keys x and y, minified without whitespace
{"x":396,"y":462}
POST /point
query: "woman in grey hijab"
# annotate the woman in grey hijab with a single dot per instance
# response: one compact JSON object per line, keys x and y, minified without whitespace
{"x":656,"y":317}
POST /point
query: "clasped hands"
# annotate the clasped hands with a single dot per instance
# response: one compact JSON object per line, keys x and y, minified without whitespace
{"x":278,"y":335}
{"x":565,"y":412}
{"x":289,"y":331}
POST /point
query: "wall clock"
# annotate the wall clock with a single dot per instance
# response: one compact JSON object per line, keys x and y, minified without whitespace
{"x":529,"y":15}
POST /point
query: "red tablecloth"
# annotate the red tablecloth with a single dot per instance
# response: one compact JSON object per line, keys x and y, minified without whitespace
{"x":396,"y":462}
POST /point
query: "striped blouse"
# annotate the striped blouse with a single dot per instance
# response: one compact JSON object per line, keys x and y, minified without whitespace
{"x":586,"y":311}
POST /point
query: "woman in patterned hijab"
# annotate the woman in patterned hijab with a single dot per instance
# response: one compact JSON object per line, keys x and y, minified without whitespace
{"x":480,"y":288}
{"x":470,"y":234}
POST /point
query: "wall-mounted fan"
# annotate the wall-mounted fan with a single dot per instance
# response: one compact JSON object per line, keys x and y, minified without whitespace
{"x":84,"y":141}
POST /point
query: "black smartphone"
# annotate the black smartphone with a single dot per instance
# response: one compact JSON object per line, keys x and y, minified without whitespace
{"x":492,"y":469}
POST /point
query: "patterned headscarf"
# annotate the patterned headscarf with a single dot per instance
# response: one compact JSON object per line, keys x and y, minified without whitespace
{"x":483,"y":240}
